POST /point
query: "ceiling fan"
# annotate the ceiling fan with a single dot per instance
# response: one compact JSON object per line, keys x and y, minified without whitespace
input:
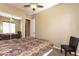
{"x":33,"y":6}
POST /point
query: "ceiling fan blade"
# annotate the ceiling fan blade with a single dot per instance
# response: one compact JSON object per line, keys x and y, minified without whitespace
{"x":26,"y":5}
{"x":39,"y":6}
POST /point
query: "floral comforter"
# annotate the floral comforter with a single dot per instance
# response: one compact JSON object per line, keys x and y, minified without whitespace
{"x":25,"y":47}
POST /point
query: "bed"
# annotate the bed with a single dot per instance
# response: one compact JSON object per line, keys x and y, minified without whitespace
{"x":25,"y":47}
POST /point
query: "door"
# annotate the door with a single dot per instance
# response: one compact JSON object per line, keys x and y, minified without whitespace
{"x":27,"y":27}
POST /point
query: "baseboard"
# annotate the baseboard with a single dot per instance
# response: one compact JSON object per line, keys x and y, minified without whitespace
{"x":63,"y":50}
{"x":57,"y":47}
{"x":46,"y":54}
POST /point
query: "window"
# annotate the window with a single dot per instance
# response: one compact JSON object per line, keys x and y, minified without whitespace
{"x":8,"y":27}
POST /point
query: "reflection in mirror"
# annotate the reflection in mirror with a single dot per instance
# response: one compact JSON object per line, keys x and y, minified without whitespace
{"x":9,"y":28}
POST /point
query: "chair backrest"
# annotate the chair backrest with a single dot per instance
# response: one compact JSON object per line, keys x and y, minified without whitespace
{"x":19,"y":34}
{"x":73,"y":42}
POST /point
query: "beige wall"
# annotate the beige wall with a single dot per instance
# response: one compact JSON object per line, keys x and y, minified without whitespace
{"x":17,"y":25}
{"x":58,"y":23}
{"x":17,"y":12}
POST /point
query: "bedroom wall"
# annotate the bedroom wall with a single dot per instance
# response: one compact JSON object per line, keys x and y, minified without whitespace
{"x":58,"y":23}
{"x":17,"y":12}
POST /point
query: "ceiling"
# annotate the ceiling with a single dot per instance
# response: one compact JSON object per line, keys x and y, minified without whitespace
{"x":29,"y":10}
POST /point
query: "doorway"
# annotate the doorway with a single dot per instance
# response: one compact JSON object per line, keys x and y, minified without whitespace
{"x":32,"y":27}
{"x":27,"y":27}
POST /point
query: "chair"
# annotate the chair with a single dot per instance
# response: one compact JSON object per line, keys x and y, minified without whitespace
{"x":19,"y":34}
{"x":72,"y":47}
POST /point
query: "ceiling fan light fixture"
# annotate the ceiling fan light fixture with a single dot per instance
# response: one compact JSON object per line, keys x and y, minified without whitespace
{"x":33,"y":6}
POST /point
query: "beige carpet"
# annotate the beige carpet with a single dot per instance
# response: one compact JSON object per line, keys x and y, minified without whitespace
{"x":57,"y":52}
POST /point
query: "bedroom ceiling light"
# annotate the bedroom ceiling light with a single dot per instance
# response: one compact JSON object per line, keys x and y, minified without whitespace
{"x":33,"y":6}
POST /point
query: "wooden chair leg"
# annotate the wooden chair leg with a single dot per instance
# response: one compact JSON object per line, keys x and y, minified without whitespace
{"x":65,"y":53}
{"x":75,"y":53}
{"x":61,"y":49}
{"x":70,"y":53}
